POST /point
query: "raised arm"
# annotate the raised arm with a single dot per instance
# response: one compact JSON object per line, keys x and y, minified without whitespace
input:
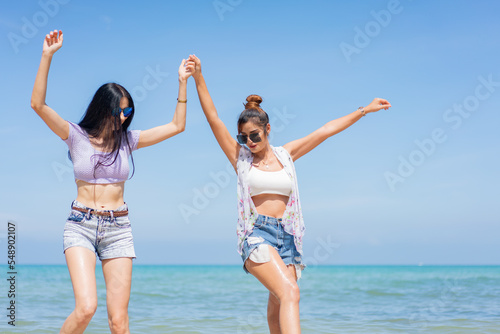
{"x":52,"y":42}
{"x":178,"y":124}
{"x":228,"y":144}
{"x":300,"y":147}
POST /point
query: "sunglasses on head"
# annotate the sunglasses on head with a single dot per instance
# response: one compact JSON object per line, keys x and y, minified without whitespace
{"x":126,"y":111}
{"x":254,"y":137}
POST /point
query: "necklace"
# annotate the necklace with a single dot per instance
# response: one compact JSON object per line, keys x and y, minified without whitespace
{"x":262,"y":162}
{"x":265,"y":163}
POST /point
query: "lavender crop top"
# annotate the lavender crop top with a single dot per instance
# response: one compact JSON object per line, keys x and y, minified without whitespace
{"x":85,"y":156}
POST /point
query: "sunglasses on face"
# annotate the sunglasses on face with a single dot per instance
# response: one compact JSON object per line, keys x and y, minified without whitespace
{"x":126,"y":111}
{"x":254,"y":137}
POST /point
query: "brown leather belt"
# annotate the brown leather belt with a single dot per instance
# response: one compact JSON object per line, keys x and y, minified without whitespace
{"x":101,"y":213}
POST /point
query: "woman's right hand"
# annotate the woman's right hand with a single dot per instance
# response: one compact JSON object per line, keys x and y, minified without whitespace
{"x":53,"y":42}
{"x":185,"y":70}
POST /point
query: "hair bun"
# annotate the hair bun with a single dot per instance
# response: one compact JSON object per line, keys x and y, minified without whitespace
{"x":253,"y":102}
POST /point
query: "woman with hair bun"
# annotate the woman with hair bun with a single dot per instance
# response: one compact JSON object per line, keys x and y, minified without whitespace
{"x":270,"y":225}
{"x":98,"y":224}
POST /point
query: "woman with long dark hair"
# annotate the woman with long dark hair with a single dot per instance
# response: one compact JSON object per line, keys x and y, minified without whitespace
{"x":270,"y":224}
{"x":98,"y":224}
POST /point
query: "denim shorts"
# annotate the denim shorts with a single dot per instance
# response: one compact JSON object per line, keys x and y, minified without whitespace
{"x":109,"y":237}
{"x":270,"y":231}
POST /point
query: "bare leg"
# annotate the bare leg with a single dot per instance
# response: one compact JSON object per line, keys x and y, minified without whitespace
{"x":273,"y":314}
{"x":118,"y":276}
{"x":81,"y":265}
{"x":282,"y":284}
{"x":273,"y":307}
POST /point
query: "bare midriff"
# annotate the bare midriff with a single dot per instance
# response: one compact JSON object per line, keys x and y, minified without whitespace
{"x":271,"y":205}
{"x":100,"y":196}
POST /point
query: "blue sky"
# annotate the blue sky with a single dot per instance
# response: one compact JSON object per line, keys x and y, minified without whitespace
{"x":416,"y":184}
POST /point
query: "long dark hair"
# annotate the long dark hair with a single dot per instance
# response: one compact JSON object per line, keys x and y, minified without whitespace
{"x":99,"y":121}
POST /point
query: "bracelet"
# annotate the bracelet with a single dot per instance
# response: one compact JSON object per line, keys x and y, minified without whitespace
{"x":362,"y":111}
{"x":181,"y":101}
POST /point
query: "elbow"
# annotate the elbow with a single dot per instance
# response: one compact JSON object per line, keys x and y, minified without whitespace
{"x":179,"y":128}
{"x":35,"y":106}
{"x":326,"y":132}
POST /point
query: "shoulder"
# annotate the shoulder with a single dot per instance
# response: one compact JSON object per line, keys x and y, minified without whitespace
{"x":133,"y":134}
{"x":76,"y":127}
{"x":244,"y":153}
{"x":282,"y":151}
{"x":133,"y":138}
{"x":74,"y":131}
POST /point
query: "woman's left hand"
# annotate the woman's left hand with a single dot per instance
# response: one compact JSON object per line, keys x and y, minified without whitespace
{"x":186,"y":69}
{"x":377,"y":104}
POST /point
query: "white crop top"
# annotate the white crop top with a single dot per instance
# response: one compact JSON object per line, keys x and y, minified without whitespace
{"x":261,"y":182}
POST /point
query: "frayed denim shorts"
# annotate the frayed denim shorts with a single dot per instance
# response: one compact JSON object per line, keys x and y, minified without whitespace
{"x":109,"y":237}
{"x":270,"y":231}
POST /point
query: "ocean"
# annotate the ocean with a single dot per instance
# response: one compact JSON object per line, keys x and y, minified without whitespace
{"x":223,"y":299}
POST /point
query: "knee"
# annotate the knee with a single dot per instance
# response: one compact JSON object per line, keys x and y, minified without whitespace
{"x":118,"y":323}
{"x":86,"y":311}
{"x":291,"y":295}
